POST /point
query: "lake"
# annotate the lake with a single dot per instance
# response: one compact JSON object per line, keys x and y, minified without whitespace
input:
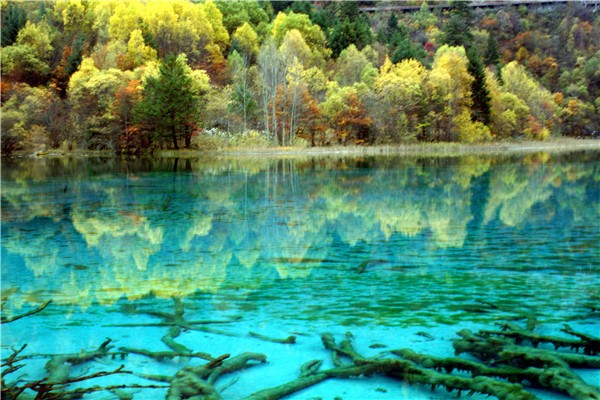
{"x":264,"y":255}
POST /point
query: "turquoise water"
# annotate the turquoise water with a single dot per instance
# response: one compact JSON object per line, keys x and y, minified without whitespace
{"x":383,"y":247}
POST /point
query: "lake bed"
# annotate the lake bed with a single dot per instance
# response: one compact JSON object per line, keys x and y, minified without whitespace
{"x":402,"y":252}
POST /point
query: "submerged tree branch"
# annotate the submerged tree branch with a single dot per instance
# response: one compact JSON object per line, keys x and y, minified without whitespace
{"x":6,"y":320}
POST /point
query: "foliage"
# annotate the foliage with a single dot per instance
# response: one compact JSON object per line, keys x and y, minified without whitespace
{"x":168,"y":109}
{"x":238,"y":12}
{"x":401,"y":93}
{"x":91,"y":94}
{"x":13,"y":19}
{"x":245,"y":41}
{"x":352,"y":122}
{"x":456,"y":31}
{"x":243,"y":101}
{"x":28,"y":59}
{"x":311,"y":124}
{"x":400,"y":45}
{"x":267,"y":66}
{"x":406,"y":50}
{"x":539,"y":100}
{"x":353,"y":65}
{"x":349,"y":31}
{"x":469,"y":131}
{"x":479,"y":90}
{"x":33,"y":119}
{"x":449,"y":94}
{"x":348,"y":114}
{"x":310,"y":33}
{"x":492,"y":56}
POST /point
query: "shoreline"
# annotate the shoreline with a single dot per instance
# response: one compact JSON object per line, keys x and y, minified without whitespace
{"x":412,"y":149}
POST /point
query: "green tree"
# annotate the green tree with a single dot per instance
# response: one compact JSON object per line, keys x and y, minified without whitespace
{"x":28,"y":60}
{"x":479,"y":90}
{"x":32,"y":119}
{"x":311,"y":33}
{"x":138,"y":51}
{"x":245,"y":41}
{"x":424,"y":18}
{"x":352,"y":28}
{"x":400,"y":46}
{"x":168,"y":107}
{"x":352,"y":64}
{"x":492,"y":57}
{"x":348,"y":10}
{"x":324,"y":16}
{"x":406,"y":50}
{"x":457,"y":31}
{"x":302,"y":7}
{"x":238,"y":12}
{"x":13,"y":19}
{"x":391,"y":28}
{"x":539,"y":100}
{"x":463,"y":10}
{"x":242,"y":96}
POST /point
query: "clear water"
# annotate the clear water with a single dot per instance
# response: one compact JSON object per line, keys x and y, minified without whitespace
{"x":386,"y":248}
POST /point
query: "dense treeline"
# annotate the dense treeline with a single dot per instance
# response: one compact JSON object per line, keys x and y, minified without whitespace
{"x":131,"y":76}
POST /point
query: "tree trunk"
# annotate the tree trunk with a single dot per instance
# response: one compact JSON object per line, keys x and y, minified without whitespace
{"x":174,"y":137}
{"x":188,"y":138}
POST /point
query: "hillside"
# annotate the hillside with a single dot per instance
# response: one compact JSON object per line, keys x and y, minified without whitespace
{"x":134,"y":76}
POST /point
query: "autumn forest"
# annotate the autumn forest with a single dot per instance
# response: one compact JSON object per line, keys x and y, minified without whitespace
{"x":135,"y":76}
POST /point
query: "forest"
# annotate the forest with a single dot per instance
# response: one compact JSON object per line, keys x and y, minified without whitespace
{"x":135,"y":76}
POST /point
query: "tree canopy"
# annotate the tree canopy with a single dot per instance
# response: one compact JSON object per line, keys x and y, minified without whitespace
{"x":139,"y":75}
{"x":169,"y":106}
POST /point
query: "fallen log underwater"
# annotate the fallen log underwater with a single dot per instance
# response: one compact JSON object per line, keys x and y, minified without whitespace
{"x":505,"y":363}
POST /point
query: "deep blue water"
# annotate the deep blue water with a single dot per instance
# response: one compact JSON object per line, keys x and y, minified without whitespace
{"x":348,"y":244}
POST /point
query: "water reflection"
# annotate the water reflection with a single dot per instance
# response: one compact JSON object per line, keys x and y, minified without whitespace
{"x":81,"y":231}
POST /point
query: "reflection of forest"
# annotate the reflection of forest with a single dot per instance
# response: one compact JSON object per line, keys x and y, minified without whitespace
{"x":104,"y":230}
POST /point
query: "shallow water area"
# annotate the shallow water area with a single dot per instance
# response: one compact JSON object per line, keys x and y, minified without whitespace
{"x":239,"y":255}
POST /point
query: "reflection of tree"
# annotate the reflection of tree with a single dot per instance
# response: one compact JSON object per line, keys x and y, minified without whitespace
{"x":571,"y":194}
{"x":123,"y":239}
{"x":22,"y":199}
{"x":406,"y":201}
{"x":108,"y":237}
{"x":200,"y":226}
{"x":516,"y":188}
{"x":406,"y":219}
{"x":38,"y":249}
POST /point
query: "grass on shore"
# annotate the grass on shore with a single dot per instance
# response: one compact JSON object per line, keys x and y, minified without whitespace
{"x":413,"y":149}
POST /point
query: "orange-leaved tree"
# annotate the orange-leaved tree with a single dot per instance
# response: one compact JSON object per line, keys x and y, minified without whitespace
{"x":353,"y":123}
{"x":311,"y":124}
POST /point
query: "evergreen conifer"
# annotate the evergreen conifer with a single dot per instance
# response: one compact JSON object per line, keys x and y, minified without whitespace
{"x":169,"y":102}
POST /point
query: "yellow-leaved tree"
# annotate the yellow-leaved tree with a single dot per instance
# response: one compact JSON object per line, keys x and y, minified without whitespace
{"x":539,"y":100}
{"x":401,"y":91}
{"x":449,"y":96}
{"x":311,"y":34}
